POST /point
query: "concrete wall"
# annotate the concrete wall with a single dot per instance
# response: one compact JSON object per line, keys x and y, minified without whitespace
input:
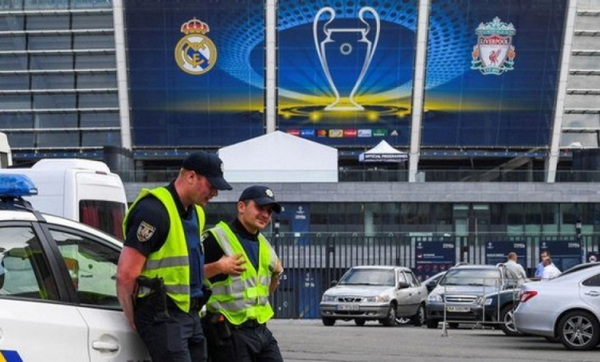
{"x":415,"y":192}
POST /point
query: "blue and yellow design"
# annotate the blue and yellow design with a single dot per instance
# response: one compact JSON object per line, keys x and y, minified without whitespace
{"x":10,"y":356}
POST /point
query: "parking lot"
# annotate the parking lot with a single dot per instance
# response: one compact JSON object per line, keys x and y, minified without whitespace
{"x":309,"y":340}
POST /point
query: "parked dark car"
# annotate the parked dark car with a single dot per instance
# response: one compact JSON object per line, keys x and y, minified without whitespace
{"x":458,"y":294}
{"x":497,"y":309}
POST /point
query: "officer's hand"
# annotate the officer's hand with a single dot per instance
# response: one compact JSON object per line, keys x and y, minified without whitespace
{"x":233,"y":265}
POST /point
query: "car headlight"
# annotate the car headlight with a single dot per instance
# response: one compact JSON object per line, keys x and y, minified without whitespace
{"x":384,"y":298}
{"x":328,"y":298}
{"x":434,"y":297}
{"x":486,"y":301}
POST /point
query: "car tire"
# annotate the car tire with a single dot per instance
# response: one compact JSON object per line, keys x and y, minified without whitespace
{"x":390,"y":319}
{"x":328,"y":321}
{"x":432,"y":323}
{"x":402,"y":320}
{"x":360,"y":322}
{"x":507,"y":321}
{"x":579,"y":330}
{"x":419,"y":318}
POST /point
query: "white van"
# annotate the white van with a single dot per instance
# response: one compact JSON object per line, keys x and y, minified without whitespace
{"x":5,"y":152}
{"x":78,"y":189}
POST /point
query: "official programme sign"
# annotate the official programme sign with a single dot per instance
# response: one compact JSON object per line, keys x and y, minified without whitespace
{"x":377,"y":157}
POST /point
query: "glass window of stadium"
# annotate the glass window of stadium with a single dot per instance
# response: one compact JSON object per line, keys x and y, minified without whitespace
{"x":462,"y":219}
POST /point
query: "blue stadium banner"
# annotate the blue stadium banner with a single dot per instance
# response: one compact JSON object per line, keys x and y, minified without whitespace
{"x":196,"y":71}
{"x":492,"y":72}
{"x":345,"y":70}
{"x":432,"y":257}
{"x":497,"y":252}
{"x":564,"y":253}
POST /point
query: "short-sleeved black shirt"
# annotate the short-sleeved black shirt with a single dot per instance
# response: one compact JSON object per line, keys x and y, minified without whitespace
{"x":150,"y":217}
{"x":213,"y":251}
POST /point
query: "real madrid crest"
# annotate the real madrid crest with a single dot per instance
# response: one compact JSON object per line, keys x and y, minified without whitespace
{"x":494,"y":52}
{"x":195,"y":53}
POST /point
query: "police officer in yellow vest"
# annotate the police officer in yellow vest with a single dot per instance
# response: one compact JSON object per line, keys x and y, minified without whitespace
{"x":162,"y":245}
{"x":240,"y":290}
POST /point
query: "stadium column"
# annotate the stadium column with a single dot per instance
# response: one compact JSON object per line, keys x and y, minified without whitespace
{"x":122,"y":87}
{"x":553,"y":155}
{"x":271,"y":65}
{"x":418,"y":90}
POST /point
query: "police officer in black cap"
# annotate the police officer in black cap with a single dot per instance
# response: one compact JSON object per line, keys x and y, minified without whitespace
{"x":243,"y":270}
{"x":160,"y":270}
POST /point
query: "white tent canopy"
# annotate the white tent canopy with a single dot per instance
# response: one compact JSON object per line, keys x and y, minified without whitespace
{"x":279,"y":157}
{"x":383,"y":152}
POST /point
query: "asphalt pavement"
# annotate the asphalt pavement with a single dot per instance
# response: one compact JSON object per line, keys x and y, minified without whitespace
{"x":310,"y":340}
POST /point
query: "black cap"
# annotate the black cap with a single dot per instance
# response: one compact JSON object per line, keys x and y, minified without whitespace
{"x":208,"y":165}
{"x":262,"y":195}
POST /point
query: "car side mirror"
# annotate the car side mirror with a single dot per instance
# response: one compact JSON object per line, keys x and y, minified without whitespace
{"x":333,"y":283}
{"x":430,"y":286}
{"x":403,"y":285}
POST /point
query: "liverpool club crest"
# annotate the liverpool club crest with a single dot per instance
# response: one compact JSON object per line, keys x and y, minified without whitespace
{"x":494,"y":52}
{"x":195,"y":53}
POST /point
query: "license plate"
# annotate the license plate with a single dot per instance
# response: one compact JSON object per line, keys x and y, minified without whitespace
{"x":347,"y":307}
{"x":451,"y":308}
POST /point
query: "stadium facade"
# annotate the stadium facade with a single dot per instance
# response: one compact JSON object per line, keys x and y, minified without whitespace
{"x":476,"y":92}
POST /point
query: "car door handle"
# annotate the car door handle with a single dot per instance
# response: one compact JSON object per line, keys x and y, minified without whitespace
{"x":105,"y":346}
{"x":593,"y":294}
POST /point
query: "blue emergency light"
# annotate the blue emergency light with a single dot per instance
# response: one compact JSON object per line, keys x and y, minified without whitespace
{"x":16,"y":185}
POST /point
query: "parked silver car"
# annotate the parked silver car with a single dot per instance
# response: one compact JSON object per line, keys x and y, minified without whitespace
{"x":566,"y":308}
{"x":381,"y":293}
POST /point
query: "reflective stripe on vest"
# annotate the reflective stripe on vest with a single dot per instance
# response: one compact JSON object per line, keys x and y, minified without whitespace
{"x":244,"y":296}
{"x":171,"y":261}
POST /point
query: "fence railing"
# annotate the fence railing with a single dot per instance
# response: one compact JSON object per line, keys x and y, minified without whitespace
{"x":313,"y":261}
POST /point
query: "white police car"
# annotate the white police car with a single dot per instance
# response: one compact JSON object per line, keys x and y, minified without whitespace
{"x":58,"y":298}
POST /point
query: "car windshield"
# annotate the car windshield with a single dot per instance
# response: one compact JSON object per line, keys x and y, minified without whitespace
{"x":368,"y":277}
{"x":475,"y":277}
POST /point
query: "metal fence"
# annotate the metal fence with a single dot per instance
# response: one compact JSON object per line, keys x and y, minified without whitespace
{"x":312,"y":262}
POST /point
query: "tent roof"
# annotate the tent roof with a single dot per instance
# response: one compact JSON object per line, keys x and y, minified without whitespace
{"x":279,"y":157}
{"x":383,"y":147}
{"x":383,"y":152}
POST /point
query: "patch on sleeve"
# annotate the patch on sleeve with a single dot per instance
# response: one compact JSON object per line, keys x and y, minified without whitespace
{"x":145,"y":231}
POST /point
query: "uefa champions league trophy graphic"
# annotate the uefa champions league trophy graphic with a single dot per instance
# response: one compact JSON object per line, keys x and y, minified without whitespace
{"x":340,"y":50}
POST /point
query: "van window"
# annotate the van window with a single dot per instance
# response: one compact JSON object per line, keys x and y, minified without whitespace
{"x":104,"y":215}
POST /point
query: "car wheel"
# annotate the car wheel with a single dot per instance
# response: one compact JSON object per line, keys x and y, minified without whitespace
{"x":579,"y":330}
{"x":402,"y":320}
{"x":432,"y":323}
{"x":390,"y":319}
{"x":360,"y":322}
{"x":328,"y":321}
{"x":419,"y":318}
{"x":507,"y":321}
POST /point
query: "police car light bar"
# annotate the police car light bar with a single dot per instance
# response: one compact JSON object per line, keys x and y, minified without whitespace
{"x":16,"y":185}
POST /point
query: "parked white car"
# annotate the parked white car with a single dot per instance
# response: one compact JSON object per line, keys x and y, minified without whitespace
{"x":58,"y":298}
{"x":567,"y":308}
{"x":381,"y":293}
